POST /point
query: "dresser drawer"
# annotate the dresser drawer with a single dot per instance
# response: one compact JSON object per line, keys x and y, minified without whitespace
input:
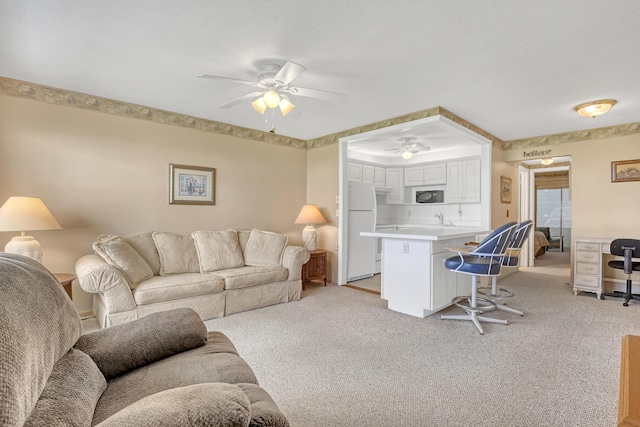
{"x":592,"y":257}
{"x":587,"y":268}
{"x":591,"y":282}
{"x":588,"y":246}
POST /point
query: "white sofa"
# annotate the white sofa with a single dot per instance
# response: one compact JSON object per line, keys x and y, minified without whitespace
{"x":215,"y":273}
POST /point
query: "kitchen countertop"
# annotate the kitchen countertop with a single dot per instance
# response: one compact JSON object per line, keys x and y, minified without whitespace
{"x":434,"y":232}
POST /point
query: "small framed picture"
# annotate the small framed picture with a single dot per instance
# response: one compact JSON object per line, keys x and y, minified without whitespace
{"x":191,"y":185}
{"x":628,"y":170}
{"x":505,"y":189}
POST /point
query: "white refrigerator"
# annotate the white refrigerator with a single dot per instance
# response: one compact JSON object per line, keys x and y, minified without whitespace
{"x":361,"y":251}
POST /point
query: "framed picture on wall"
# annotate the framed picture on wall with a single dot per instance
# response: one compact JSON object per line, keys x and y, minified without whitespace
{"x":505,"y":189}
{"x":628,"y":170}
{"x":191,"y":185}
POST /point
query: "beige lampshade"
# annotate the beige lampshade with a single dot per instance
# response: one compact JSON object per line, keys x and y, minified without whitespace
{"x":310,"y":214}
{"x":26,"y":214}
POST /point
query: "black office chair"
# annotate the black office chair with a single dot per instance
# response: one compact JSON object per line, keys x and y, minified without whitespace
{"x":629,"y":249}
{"x":485,"y":260}
{"x":511,"y":259}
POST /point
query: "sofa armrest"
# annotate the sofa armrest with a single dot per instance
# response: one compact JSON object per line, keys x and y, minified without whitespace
{"x":97,"y":277}
{"x":293,"y":259}
{"x":121,"y":348}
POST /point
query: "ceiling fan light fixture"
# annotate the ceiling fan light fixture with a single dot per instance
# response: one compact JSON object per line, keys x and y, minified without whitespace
{"x":286,"y":106}
{"x":271,"y":99}
{"x":594,"y":108}
{"x":407,"y":155}
{"x":259,"y":105}
{"x":546,"y":162}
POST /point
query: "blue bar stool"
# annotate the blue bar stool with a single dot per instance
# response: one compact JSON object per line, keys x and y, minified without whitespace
{"x":511,"y":259}
{"x":483,"y":260}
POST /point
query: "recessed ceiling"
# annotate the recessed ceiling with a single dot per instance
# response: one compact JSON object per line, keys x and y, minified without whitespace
{"x":513,"y":68}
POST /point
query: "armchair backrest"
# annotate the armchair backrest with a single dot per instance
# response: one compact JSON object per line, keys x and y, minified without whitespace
{"x":627,"y":248}
{"x":38,"y":325}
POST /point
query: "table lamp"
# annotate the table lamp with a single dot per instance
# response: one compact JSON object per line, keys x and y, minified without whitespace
{"x":26,"y":214}
{"x":309,"y":214}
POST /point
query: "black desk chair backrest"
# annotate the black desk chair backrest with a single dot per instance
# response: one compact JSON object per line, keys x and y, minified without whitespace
{"x":629,"y":249}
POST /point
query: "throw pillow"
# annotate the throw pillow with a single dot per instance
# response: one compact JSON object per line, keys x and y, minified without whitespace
{"x":177,"y":253}
{"x":119,"y":253}
{"x":265,"y":248}
{"x":218,"y":250}
{"x":143,"y":244}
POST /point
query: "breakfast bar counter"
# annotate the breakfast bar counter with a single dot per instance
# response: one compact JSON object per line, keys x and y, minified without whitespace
{"x":413,"y":276}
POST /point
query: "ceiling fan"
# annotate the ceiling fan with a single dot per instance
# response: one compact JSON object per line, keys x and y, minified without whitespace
{"x":274,"y":89}
{"x":408,"y":147}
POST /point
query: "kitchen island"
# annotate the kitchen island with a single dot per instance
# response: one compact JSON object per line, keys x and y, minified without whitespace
{"x":414,"y":279}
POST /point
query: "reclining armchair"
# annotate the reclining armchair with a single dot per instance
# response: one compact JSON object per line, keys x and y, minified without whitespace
{"x":162,"y":370}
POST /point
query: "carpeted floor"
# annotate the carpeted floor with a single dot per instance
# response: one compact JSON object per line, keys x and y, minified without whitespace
{"x":338,"y":357}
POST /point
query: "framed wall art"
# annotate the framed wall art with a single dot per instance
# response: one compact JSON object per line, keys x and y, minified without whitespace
{"x":628,"y":170}
{"x":505,"y":189}
{"x":191,"y":185}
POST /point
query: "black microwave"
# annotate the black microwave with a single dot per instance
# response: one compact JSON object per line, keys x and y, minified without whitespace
{"x":430,"y":196}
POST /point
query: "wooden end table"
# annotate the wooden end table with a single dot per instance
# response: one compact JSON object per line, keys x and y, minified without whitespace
{"x":65,"y":280}
{"x":316,"y":267}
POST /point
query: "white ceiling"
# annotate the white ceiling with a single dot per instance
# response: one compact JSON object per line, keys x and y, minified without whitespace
{"x":514,"y":68}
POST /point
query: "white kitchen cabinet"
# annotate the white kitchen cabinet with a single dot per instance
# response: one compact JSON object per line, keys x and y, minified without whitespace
{"x":368,"y":173}
{"x":354,"y":171}
{"x":447,"y":283}
{"x":395,"y":181}
{"x":433,"y":174}
{"x":413,"y":175}
{"x":463,"y":181}
{"x":379,"y":178}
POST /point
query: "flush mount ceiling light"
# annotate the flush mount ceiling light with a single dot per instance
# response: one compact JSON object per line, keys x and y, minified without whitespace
{"x":546,"y":162}
{"x":595,"y":108}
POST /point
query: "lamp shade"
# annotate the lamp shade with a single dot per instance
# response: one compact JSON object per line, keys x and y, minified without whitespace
{"x":310,"y":214}
{"x":22,"y":214}
{"x":26,"y":214}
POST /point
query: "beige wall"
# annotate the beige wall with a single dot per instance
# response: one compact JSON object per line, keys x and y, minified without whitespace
{"x":99,"y":173}
{"x":322,"y":188}
{"x":503,"y":212}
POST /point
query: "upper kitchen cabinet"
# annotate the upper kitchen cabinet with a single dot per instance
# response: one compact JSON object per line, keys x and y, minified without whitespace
{"x":354,"y":171}
{"x":463,"y":181}
{"x":395,"y":181}
{"x":432,"y":174}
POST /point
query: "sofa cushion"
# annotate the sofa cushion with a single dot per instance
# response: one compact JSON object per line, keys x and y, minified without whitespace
{"x":210,"y":404}
{"x":121,"y":348}
{"x":177,"y":286}
{"x":265,"y":248}
{"x":115,"y":251}
{"x":143,"y":244}
{"x":177,"y":253}
{"x":237,"y":278}
{"x":71,"y":392}
{"x":218,"y":250}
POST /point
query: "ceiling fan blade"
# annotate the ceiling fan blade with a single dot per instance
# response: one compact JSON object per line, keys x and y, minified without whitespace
{"x":244,"y":82}
{"x":316,"y":93}
{"x":288,"y":72}
{"x":240,"y":99}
